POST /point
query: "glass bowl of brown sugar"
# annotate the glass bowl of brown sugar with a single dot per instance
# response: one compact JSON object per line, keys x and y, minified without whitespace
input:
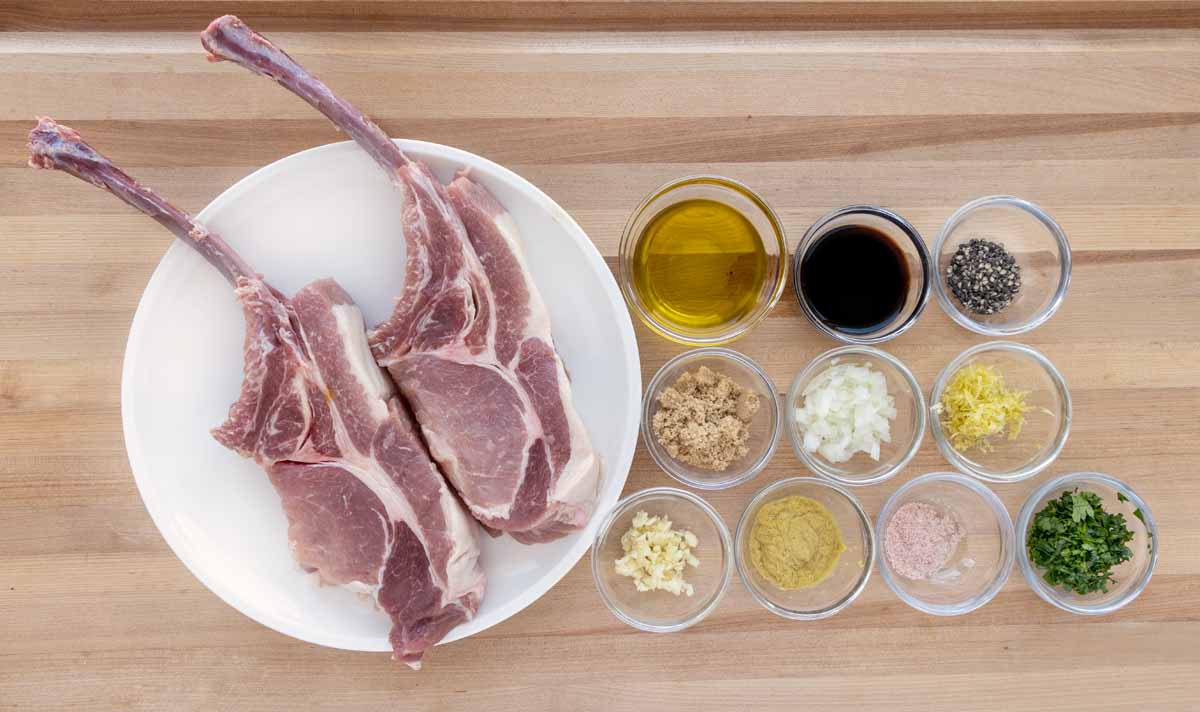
{"x":711,"y":418}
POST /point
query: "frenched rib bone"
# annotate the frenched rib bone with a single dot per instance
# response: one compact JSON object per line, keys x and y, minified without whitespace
{"x":469,"y":341}
{"x":366,"y":506}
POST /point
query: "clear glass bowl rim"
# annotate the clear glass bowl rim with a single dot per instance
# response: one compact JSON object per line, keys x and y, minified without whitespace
{"x":629,"y":241}
{"x":812,"y":461}
{"x":868,"y":555}
{"x":1048,"y":593}
{"x":912,"y":234}
{"x":1006,"y":531}
{"x":959,"y":462}
{"x":946,"y":301}
{"x":741,"y":360}
{"x":726,"y":543}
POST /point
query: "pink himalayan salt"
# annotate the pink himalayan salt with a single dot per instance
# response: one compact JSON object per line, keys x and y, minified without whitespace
{"x":920,"y":539}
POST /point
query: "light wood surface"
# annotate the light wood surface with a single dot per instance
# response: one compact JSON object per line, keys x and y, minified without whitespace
{"x":1090,"y":108}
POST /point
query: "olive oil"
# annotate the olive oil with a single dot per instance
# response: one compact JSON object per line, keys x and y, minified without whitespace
{"x":699,"y":265}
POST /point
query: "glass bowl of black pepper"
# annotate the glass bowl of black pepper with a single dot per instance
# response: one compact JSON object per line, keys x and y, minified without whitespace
{"x":1003,"y":266}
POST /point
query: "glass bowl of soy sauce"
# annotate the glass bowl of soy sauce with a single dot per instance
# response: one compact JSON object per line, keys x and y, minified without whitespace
{"x":862,"y":274}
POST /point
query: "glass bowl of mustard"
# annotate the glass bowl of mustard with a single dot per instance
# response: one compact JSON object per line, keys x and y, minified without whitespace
{"x":804,"y":548}
{"x":703,"y":259}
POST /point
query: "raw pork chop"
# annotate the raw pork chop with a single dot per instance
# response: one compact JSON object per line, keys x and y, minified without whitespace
{"x":469,"y":341}
{"x":366,"y":507}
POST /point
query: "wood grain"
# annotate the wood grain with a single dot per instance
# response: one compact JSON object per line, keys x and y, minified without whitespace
{"x":598,"y":15}
{"x":1089,"y":107}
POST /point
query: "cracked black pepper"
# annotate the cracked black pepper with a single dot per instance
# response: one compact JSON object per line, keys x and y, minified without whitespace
{"x":983,"y":276}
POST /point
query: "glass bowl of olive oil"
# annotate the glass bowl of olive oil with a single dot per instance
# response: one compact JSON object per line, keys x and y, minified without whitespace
{"x":703,"y":259}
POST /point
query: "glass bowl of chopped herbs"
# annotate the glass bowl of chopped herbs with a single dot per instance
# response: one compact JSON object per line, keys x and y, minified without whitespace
{"x":1003,"y":266}
{"x":1089,"y":544}
{"x":1000,"y":412}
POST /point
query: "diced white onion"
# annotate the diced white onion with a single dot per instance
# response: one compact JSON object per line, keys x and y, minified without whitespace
{"x":846,"y":410}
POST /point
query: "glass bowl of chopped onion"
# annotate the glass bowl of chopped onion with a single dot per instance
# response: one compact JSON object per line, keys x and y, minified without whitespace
{"x":855,"y":415}
{"x":662,"y":559}
{"x":1088,"y":550}
{"x":804,"y":548}
{"x":946,"y":544}
{"x":739,"y":428}
{"x":1003,"y":266}
{"x":1000,"y":411}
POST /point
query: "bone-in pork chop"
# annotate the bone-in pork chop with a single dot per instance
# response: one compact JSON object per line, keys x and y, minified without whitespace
{"x":469,"y":341}
{"x":366,"y":506}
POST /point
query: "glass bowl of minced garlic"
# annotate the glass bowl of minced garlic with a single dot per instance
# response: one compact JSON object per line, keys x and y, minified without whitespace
{"x":662,"y":560}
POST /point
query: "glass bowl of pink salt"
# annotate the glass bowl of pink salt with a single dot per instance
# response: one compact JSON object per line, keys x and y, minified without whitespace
{"x":946,"y":544}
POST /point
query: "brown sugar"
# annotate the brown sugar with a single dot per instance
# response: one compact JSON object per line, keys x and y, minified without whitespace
{"x":703,"y":419}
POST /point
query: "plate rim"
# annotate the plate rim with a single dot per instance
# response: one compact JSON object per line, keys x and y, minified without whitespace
{"x":620,"y":468}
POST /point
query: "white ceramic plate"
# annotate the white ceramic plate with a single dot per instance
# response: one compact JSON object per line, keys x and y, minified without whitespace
{"x":330,"y":212}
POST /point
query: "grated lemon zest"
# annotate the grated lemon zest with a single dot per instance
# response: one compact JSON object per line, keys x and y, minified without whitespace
{"x":977,"y":406}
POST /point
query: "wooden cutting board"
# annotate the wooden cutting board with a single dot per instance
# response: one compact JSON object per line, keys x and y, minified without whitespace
{"x":1090,"y":108}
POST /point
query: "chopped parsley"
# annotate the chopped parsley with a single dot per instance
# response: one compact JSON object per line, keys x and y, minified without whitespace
{"x":1076,"y":543}
{"x":1137,"y":512}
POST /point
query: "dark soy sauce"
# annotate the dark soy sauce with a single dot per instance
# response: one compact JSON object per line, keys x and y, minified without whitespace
{"x":855,"y":278}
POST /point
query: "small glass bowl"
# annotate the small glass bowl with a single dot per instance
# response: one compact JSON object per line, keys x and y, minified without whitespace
{"x":661,"y":611}
{"x":912,"y":248}
{"x":1032,"y":237}
{"x":732,"y":194}
{"x":764,"y":427}
{"x":1047,"y":422}
{"x":907,"y":430}
{"x":983,"y":562}
{"x":852,"y":570}
{"x":1132,"y":576}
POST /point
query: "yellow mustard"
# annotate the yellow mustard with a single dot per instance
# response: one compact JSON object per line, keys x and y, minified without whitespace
{"x":795,"y":542}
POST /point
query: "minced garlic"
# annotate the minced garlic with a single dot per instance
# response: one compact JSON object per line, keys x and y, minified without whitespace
{"x":655,"y":555}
